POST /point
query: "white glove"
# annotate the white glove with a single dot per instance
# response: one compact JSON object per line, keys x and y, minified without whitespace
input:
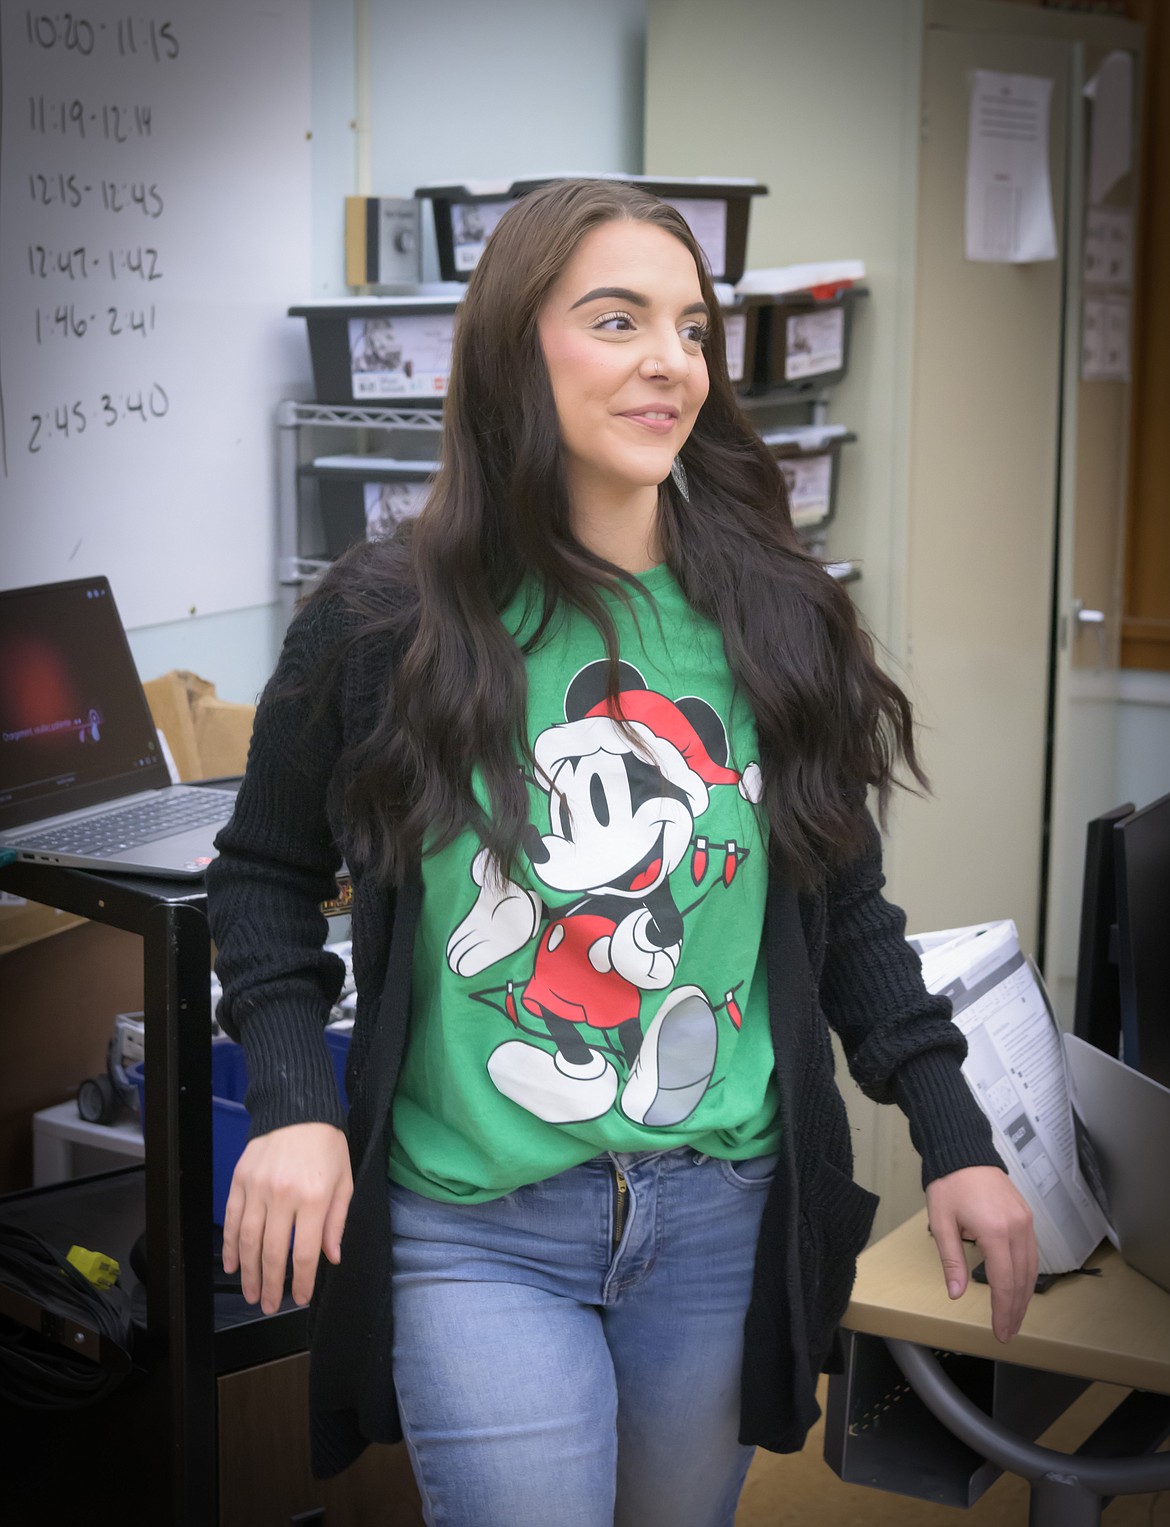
{"x":503,"y":919}
{"x":639,"y":961}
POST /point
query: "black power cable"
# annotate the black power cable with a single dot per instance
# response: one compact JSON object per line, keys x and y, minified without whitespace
{"x":36,"y":1370}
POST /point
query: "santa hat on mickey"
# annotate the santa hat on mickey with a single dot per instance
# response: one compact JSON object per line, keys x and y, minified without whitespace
{"x":666,"y":721}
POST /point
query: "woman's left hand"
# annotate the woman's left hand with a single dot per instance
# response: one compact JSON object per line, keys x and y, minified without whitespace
{"x":981,"y":1204}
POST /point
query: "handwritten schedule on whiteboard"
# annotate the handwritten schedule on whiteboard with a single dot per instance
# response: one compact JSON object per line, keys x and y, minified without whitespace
{"x":154,"y":227}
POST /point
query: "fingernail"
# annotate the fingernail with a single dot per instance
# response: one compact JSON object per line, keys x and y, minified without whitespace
{"x":954,"y":1289}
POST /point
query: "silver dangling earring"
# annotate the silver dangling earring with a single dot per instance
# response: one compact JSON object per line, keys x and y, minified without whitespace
{"x":679,"y":473}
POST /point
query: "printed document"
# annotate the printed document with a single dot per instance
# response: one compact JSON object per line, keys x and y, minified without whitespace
{"x":1009,"y":192}
{"x":1015,"y":1066}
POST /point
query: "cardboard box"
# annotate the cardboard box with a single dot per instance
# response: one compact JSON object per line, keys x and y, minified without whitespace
{"x":208,"y":737}
{"x":61,"y":999}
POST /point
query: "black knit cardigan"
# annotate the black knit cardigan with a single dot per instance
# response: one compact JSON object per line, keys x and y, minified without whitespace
{"x":834,"y":957}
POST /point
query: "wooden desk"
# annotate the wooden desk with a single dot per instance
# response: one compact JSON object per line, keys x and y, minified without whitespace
{"x":1113,"y":1328}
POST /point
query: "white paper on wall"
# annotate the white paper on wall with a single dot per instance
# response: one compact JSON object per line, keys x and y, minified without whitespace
{"x":1108,"y":248}
{"x":1105,"y":324}
{"x":1093,"y":340}
{"x":1117,"y":322}
{"x":1009,"y":190}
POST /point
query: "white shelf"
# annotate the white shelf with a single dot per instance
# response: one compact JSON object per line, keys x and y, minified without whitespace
{"x":291,"y":414}
{"x":65,"y":1145}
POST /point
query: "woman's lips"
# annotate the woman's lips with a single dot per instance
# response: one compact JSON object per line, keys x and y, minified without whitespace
{"x":653,"y":420}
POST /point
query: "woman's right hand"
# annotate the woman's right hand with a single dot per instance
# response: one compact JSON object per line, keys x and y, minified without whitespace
{"x":295,"y":1179}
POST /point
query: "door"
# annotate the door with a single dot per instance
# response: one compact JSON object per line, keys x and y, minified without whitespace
{"x":1087,"y":643}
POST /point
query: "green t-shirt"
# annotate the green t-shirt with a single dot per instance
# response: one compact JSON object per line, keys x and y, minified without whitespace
{"x":613,"y":997}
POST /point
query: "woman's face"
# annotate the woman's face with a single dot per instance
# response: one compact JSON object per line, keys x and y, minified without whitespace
{"x":622,"y":333}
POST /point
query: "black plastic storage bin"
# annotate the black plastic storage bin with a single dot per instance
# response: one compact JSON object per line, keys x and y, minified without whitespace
{"x":380,"y":349}
{"x":805,"y":340}
{"x":716,"y":208}
{"x":363,"y":497}
{"x":809,"y":458}
{"x":742,"y":317}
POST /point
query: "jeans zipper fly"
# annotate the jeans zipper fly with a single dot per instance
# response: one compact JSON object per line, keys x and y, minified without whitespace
{"x":619,"y":1208}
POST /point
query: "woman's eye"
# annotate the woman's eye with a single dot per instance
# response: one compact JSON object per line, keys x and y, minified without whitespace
{"x":615,"y":323}
{"x":695,"y":334}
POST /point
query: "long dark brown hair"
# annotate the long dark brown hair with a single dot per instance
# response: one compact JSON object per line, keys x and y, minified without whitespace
{"x":830,"y":723}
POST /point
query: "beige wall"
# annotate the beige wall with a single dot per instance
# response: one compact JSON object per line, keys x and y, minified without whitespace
{"x":818,"y":99}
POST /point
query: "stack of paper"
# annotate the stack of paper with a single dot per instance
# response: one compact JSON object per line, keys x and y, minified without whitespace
{"x":1015,"y":1066}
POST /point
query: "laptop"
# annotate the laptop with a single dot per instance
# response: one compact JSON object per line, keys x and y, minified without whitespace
{"x":1127,"y":1116}
{"x":83,"y":778}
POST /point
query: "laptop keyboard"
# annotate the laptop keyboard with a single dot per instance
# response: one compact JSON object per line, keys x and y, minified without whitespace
{"x":113,"y":832}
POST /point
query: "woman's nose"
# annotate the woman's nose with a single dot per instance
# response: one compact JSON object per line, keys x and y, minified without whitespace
{"x":666,"y":359}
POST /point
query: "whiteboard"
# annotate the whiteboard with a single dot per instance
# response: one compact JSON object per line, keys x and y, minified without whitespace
{"x":154,"y":228}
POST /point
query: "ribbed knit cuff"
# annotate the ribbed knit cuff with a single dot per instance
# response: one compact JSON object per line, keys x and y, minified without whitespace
{"x":949,"y":1129}
{"x":290,"y":1073}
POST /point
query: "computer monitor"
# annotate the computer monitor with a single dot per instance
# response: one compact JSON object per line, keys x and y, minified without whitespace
{"x":1141,"y":852}
{"x":1097,"y":1016}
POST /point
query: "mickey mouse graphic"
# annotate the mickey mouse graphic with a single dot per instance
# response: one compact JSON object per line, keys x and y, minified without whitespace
{"x":622,"y":819}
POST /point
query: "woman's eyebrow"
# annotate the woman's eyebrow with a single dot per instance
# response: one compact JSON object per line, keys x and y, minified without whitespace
{"x":621,"y":293}
{"x":635,"y":299}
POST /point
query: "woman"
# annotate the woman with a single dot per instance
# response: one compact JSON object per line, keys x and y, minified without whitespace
{"x":593,"y":736}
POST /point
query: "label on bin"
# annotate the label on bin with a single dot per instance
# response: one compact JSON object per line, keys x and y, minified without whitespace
{"x":471,"y":223}
{"x":735,"y":332}
{"x":707,"y":219}
{"x":400,"y":356}
{"x":816,"y":344}
{"x":809,"y":480}
{"x":389,"y":502}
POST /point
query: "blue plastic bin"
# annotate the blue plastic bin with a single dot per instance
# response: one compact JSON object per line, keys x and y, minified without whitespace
{"x":230,"y":1120}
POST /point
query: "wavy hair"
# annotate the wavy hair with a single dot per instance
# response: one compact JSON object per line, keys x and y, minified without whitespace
{"x":829,"y":721}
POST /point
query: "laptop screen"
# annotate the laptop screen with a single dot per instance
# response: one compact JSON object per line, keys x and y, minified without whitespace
{"x":75,"y":729}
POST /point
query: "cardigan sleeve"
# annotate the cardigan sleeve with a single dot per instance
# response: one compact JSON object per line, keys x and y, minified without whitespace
{"x":899,"y":1040}
{"x":277,"y":863}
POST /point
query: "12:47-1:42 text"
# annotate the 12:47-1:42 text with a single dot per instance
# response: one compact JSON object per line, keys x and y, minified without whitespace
{"x":65,"y":421}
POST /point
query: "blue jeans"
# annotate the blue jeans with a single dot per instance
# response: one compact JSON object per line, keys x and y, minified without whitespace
{"x":546,"y":1376}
